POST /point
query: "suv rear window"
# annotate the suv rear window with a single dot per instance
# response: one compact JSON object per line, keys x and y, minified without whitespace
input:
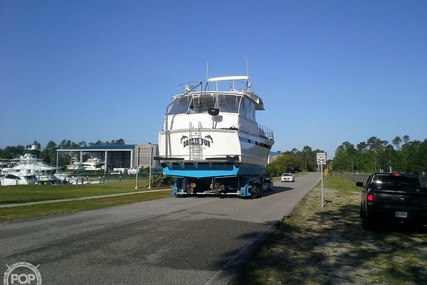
{"x":400,"y":183}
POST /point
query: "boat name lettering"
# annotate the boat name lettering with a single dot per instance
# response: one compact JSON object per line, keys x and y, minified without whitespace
{"x":206,"y":141}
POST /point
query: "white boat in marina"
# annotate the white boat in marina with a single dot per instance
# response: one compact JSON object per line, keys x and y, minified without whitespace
{"x":20,"y":177}
{"x":49,"y":179}
{"x":4,"y":163}
{"x":30,"y":162}
{"x":27,"y":170}
{"x":69,"y":178}
{"x":211,"y":130}
{"x":75,"y":165}
{"x":93,"y":164}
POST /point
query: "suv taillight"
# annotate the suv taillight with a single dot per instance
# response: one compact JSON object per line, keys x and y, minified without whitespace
{"x":370,"y":198}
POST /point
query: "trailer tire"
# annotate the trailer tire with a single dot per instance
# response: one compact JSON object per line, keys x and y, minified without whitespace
{"x":254,"y":192}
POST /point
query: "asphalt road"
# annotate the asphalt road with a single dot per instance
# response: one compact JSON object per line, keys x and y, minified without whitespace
{"x":167,"y":241}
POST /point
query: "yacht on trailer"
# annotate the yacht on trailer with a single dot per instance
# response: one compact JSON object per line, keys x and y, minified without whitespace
{"x":210,"y":130}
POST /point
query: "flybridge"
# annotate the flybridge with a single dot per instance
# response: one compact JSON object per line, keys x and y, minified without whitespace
{"x":227,"y":85}
{"x":232,"y":79}
{"x":239,"y":81}
{"x":225,"y":78}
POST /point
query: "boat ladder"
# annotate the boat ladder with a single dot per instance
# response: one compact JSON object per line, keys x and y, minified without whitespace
{"x":195,"y":143}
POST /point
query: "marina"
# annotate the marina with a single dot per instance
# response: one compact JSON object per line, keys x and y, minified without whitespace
{"x":27,"y":170}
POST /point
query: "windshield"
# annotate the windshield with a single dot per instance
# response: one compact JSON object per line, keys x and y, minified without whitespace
{"x":201,"y":103}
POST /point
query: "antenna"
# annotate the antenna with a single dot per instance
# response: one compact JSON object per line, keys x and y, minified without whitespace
{"x":207,"y":70}
{"x":248,"y":84}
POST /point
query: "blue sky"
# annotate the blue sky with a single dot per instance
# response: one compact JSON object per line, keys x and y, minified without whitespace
{"x":328,"y":71}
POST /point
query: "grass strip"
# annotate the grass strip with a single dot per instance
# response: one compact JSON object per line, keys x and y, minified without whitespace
{"x":328,"y":246}
{"x":34,"y":193}
{"x":30,"y":211}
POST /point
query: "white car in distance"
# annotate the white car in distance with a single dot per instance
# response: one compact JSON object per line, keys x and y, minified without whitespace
{"x":287,"y":177}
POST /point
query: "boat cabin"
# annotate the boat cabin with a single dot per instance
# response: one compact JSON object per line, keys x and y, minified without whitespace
{"x":238,"y":101}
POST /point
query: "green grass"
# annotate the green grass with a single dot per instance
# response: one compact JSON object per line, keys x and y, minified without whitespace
{"x":340,"y":183}
{"x":31,"y":211}
{"x":39,"y":193}
{"x":328,"y":246}
{"x":34,"y":193}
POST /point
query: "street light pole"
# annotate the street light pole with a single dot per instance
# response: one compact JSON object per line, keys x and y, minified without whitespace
{"x":137,"y":168}
{"x":151,"y":164}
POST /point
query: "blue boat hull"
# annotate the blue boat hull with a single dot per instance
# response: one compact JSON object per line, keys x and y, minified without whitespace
{"x":203,"y":170}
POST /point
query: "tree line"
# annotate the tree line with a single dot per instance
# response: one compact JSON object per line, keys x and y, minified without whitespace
{"x":294,"y":161}
{"x":401,"y":155}
{"x":374,"y":154}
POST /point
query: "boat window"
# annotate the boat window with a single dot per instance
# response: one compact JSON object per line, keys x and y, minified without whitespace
{"x":247,"y":109}
{"x":202,"y":103}
{"x":179,"y":106}
{"x":228,"y":103}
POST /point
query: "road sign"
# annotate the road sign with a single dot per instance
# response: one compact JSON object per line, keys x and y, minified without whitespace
{"x":321,"y":158}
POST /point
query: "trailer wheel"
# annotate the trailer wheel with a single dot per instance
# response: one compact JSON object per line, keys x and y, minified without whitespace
{"x":254,"y":192}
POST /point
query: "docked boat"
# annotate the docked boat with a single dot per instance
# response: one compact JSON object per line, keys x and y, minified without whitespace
{"x":75,"y":165}
{"x":93,"y":164}
{"x":27,"y":170}
{"x":210,"y":130}
{"x":4,"y":164}
{"x":18,"y":177}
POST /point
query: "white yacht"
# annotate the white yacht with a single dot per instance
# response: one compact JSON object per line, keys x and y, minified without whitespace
{"x":210,"y":130}
{"x":30,"y":162}
{"x":75,"y":165}
{"x":27,"y":170}
{"x":18,"y":177}
{"x":93,"y":164}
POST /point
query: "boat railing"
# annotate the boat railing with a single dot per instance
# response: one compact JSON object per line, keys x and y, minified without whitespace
{"x":230,"y":83}
{"x":265,"y":132}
